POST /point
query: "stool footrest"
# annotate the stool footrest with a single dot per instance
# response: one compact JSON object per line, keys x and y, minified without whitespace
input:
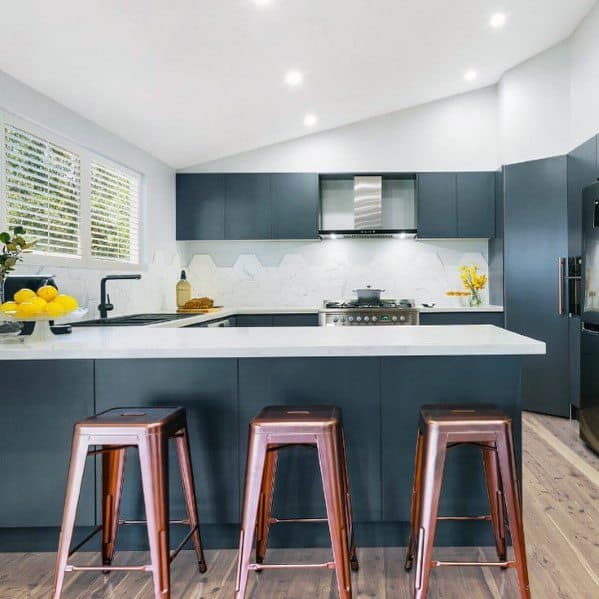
{"x":135,"y":522}
{"x":504,"y":564}
{"x":303,"y":520}
{"x":69,"y":568}
{"x":464,"y":518}
{"x":325,"y":565}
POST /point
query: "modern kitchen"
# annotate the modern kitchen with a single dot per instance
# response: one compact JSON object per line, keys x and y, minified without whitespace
{"x":293,"y":304}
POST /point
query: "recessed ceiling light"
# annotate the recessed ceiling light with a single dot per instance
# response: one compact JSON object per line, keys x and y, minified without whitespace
{"x":497,"y":20}
{"x":310,"y":120}
{"x":470,"y":75}
{"x":294,"y":78}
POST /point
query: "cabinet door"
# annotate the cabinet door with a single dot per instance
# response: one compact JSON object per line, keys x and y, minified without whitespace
{"x":441,"y":318}
{"x":295,"y":320}
{"x":247,"y":206}
{"x":207,"y":389}
{"x":476,"y":204}
{"x":437,"y":205}
{"x":535,"y":237}
{"x":200,"y":206}
{"x":254,"y":320}
{"x":41,"y":401}
{"x":295,"y":203}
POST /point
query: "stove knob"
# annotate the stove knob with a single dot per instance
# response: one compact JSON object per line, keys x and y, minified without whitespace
{"x":374,"y":319}
{"x":402,"y":318}
{"x":343,"y":319}
{"x":366,"y":318}
{"x":335,"y":319}
{"x":358,"y":319}
{"x":350,"y":319}
{"x":394,"y":318}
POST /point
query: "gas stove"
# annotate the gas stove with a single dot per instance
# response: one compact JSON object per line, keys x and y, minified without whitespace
{"x":387,"y":312}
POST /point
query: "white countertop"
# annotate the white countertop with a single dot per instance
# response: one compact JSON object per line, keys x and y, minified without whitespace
{"x":161,"y":342}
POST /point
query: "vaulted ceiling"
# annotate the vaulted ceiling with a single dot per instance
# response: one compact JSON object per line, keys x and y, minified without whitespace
{"x":194,"y":80}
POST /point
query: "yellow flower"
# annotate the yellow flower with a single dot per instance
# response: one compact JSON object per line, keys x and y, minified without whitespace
{"x":472,"y":279}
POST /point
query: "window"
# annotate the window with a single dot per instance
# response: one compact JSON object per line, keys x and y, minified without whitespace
{"x":43,"y":183}
{"x":79,"y":207}
{"x":114,"y":214}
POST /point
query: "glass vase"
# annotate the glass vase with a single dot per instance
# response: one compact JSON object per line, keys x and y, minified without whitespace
{"x":474,"y":300}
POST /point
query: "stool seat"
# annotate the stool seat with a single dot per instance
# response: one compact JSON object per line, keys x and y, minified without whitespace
{"x":458,"y":415}
{"x":301,"y":419}
{"x":166,"y":419}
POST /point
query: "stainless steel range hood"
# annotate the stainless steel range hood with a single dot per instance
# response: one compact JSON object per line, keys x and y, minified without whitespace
{"x":367,"y":206}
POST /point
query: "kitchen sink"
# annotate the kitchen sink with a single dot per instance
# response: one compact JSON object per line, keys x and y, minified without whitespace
{"x":130,"y":320}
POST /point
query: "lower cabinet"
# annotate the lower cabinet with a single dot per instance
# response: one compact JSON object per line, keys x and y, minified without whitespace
{"x":207,"y":389}
{"x":440,"y":318}
{"x":350,"y":383}
{"x":295,"y":320}
{"x":254,"y":320}
{"x":41,"y":401}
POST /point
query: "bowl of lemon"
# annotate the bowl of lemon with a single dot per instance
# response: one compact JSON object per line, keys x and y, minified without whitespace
{"x":41,"y":307}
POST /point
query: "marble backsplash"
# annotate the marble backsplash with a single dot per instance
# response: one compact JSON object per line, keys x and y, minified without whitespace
{"x":302,"y":274}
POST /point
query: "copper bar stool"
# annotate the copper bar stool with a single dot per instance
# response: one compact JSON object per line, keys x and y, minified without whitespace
{"x":442,"y":428}
{"x":110,"y":434}
{"x":276,"y":428}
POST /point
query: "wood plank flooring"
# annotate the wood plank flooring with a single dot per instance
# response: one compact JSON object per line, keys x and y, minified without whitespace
{"x":561,"y":509}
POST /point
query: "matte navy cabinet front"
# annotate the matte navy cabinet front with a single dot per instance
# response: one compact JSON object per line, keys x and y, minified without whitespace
{"x":295,"y":320}
{"x":247,"y":206}
{"x":441,"y":318}
{"x":254,"y":320}
{"x":437,"y":205}
{"x":295,"y":205}
{"x":41,"y":401}
{"x":476,"y":204}
{"x":200,"y":206}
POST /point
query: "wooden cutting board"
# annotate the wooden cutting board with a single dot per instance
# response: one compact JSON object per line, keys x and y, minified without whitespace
{"x":199,"y":310}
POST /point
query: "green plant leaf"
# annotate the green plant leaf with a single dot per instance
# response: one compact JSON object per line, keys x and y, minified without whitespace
{"x":4,"y":237}
{"x":18,"y":230}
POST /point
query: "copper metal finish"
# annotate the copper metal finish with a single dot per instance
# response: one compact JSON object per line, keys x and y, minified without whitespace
{"x":273,"y":429}
{"x":113,"y":431}
{"x":440,"y":429}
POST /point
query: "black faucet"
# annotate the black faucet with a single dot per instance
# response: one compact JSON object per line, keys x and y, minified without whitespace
{"x":105,"y":305}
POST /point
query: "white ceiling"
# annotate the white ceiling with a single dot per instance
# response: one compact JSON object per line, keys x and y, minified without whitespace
{"x":194,"y":80}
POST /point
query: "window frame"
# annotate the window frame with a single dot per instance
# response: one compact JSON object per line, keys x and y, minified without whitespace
{"x":86,"y":157}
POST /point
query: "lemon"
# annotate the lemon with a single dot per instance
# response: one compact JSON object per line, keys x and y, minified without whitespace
{"x":24,"y":295}
{"x":39,"y":302}
{"x":54,"y":309}
{"x":28,"y":309}
{"x":68,"y":303}
{"x":47,"y":292}
{"x":8,"y":307}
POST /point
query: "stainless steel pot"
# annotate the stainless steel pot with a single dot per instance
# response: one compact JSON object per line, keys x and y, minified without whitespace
{"x":369,"y":295}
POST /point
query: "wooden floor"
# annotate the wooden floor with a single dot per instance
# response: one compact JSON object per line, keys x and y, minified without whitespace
{"x":561,"y":506}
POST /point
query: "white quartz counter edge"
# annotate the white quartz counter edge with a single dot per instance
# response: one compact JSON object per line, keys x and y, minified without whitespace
{"x":148,"y":342}
{"x":225,"y":312}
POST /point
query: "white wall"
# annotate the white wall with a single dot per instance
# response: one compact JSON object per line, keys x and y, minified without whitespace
{"x":534,"y":107}
{"x":159,"y":250}
{"x":457,"y":133}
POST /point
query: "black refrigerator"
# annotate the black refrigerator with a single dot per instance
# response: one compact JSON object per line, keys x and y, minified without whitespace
{"x":589,"y":350}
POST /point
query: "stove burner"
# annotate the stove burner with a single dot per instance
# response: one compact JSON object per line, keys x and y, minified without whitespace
{"x":384,"y":303}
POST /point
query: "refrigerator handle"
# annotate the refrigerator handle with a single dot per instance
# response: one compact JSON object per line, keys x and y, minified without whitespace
{"x":560,"y":286}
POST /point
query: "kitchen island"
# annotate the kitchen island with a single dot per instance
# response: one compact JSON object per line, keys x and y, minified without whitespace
{"x":379,"y":376}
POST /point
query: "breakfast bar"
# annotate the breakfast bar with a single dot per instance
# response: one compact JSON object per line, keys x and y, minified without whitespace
{"x":378,"y":376}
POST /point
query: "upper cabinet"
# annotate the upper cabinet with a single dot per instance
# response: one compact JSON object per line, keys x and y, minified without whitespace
{"x":247,"y":206}
{"x":456,"y":205}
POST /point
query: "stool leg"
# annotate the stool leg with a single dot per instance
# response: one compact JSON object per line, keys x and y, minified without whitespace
{"x":113,"y":467}
{"x":265,"y":508}
{"x":253,"y":479}
{"x":509,"y":480}
{"x":184,"y":457}
{"x":153,"y":458}
{"x":329,"y":454}
{"x":76,"y":469}
{"x":415,"y":504}
{"x":353,"y":557}
{"x":435,"y":447}
{"x":495,"y":492}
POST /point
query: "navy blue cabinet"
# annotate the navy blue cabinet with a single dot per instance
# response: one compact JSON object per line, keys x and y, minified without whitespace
{"x":295,"y":320}
{"x":476,"y":204}
{"x":456,"y":205}
{"x":247,"y":206}
{"x":437,"y":205}
{"x":41,"y":401}
{"x":441,"y":318}
{"x":535,"y":237}
{"x":254,"y":320}
{"x":200,"y":206}
{"x":295,"y":205}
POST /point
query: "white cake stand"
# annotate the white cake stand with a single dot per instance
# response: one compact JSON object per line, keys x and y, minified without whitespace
{"x":42,"y":332}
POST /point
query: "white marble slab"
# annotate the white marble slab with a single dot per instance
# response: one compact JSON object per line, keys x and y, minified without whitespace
{"x":151,"y":342}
